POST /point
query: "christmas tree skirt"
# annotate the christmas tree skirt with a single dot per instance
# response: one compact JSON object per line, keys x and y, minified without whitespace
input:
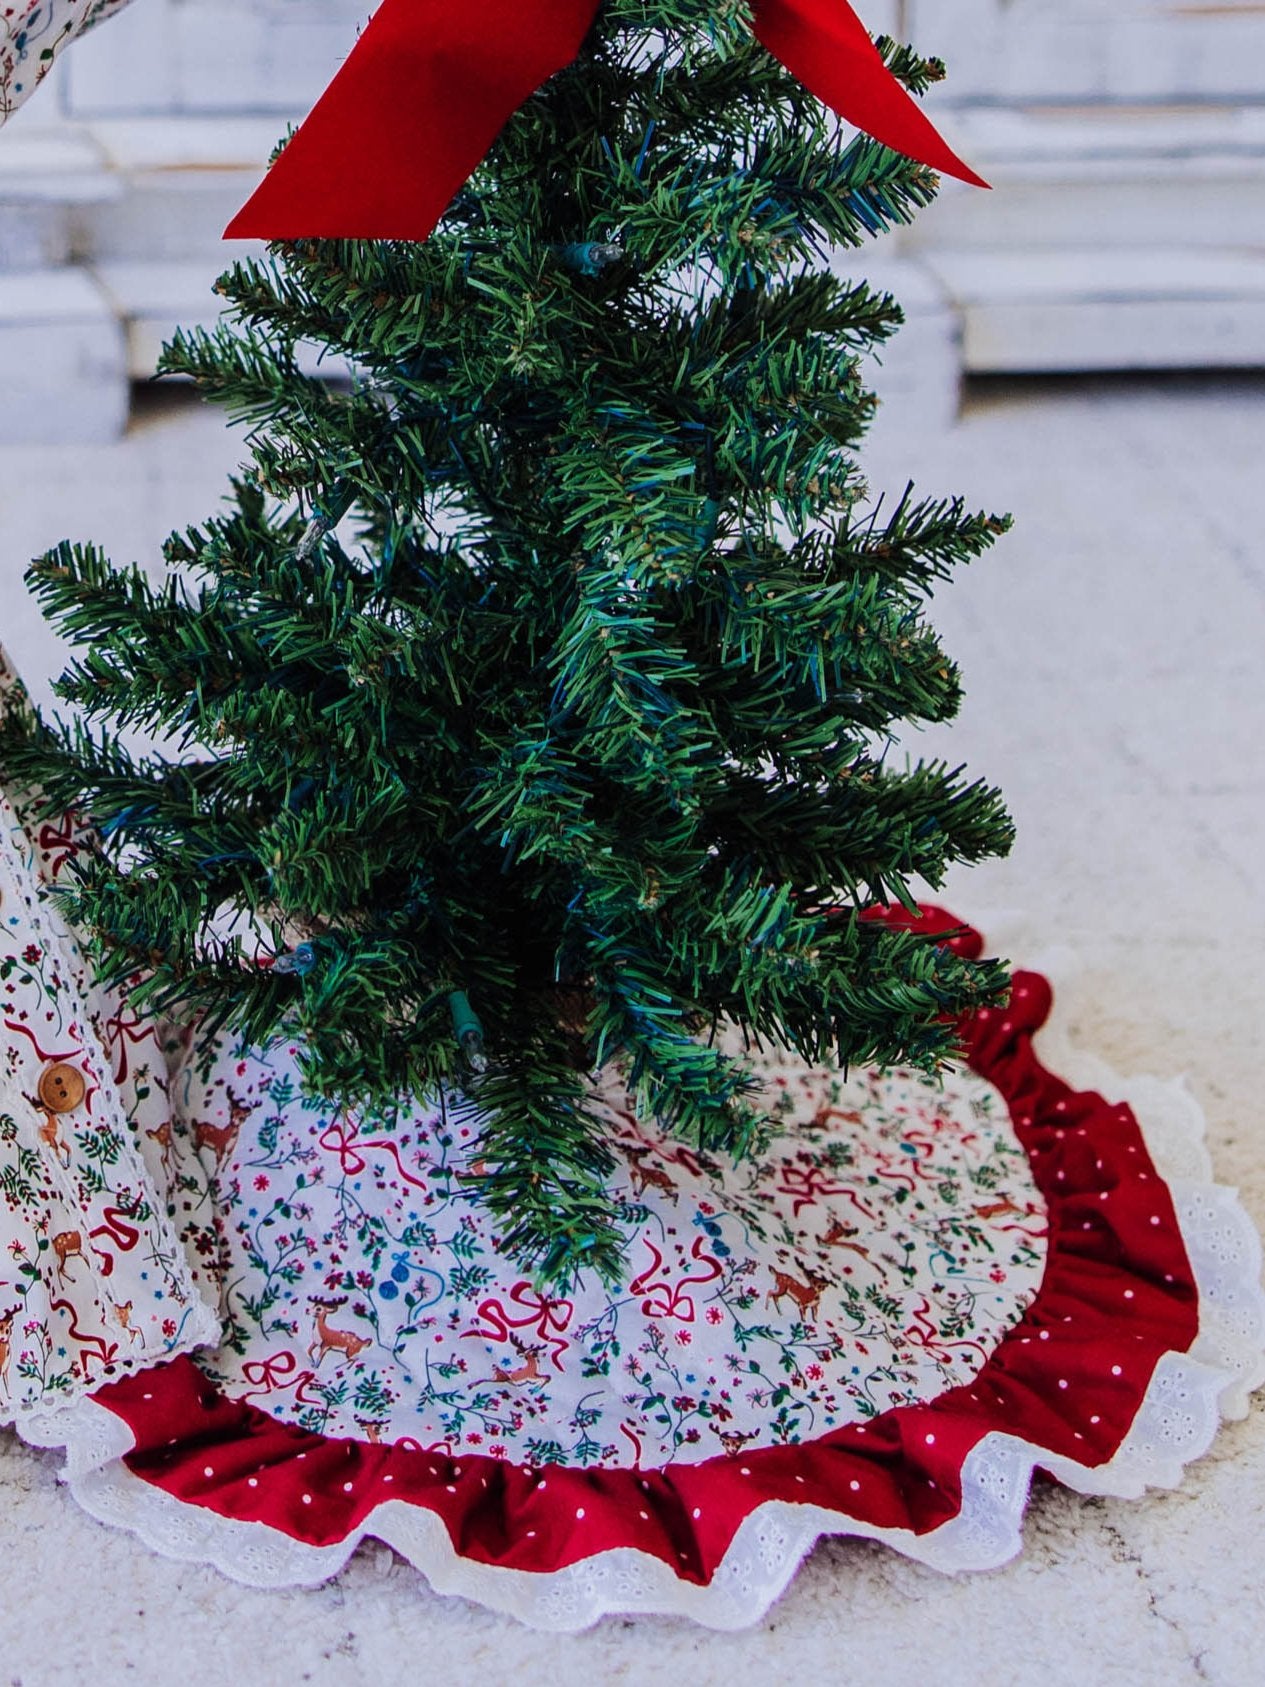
{"x":264,"y":1330}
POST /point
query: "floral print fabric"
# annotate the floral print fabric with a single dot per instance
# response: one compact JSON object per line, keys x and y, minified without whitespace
{"x":93,"y":1279}
{"x":33,"y":33}
{"x":875,"y":1257}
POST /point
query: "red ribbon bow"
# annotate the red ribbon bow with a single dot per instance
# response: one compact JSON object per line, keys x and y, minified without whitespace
{"x":544,"y":1314}
{"x":431,"y":83}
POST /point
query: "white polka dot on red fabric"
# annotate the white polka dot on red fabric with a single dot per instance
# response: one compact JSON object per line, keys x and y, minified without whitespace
{"x":208,"y":1471}
{"x":644,"y":1516}
{"x":1062,"y":1382}
{"x":1095,"y":1418}
{"x":252,"y":1481}
{"x":1128,"y":1294}
{"x":451,"y":1488}
{"x":346,"y":1487}
{"x":745,"y":1471}
{"x":697,"y":1513}
{"x":854,"y":1485}
{"x":1116,"y":1370}
{"x":931,"y":1440}
{"x":388,"y":1478}
{"x":307,"y":1499}
{"x":579,"y":1512}
{"x":1155,"y":1218}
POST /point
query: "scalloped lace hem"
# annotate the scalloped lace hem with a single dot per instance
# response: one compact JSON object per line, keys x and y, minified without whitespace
{"x":1188,"y":1396}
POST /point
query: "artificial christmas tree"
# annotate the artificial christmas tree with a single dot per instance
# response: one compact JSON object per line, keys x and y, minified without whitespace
{"x":532,"y":700}
{"x":524,"y":852}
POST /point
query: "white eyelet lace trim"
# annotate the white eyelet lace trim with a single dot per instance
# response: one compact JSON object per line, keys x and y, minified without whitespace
{"x":1188,"y":1395}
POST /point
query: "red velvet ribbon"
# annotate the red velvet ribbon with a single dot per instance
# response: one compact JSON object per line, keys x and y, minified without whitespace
{"x":431,"y":83}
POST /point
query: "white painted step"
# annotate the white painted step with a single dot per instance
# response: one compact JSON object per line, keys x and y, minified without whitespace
{"x":136,"y":189}
{"x":152,"y":300}
{"x":1129,"y":175}
{"x":1048,"y":312}
{"x":46,"y":173}
{"x":62,"y":359}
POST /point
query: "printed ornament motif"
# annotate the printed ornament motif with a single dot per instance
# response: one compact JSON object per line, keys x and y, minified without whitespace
{"x":921,"y":1293}
{"x":33,"y":33}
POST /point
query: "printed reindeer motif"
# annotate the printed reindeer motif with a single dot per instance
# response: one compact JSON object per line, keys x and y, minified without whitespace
{"x":6,"y":1343}
{"x":1002,"y":1208}
{"x":222,"y":1139}
{"x":807,"y":1296}
{"x":328,"y":1339}
{"x":68,"y":1245}
{"x":122,"y":1317}
{"x":49,"y":1132}
{"x":733,"y":1440}
{"x":645,"y":1176}
{"x":826,"y":1115}
{"x":840,"y":1235}
{"x":166,"y":1147}
{"x":528,"y":1371}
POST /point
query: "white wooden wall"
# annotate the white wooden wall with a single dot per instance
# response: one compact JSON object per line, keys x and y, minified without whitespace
{"x":256,"y":56}
{"x":1125,"y":140}
{"x":1092,"y":51}
{"x":222,"y":57}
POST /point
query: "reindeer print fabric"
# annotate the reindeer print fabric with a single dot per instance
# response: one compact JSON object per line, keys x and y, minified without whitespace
{"x":93,"y":1279}
{"x":32,"y":35}
{"x":875,"y":1257}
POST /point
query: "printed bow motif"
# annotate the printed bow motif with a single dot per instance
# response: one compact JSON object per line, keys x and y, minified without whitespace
{"x":431,"y":83}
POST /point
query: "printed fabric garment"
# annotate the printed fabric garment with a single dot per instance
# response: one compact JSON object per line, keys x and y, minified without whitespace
{"x":32,"y":35}
{"x":94,"y":1282}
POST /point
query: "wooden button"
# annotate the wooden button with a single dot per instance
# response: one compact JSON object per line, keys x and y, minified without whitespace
{"x":61,"y":1087}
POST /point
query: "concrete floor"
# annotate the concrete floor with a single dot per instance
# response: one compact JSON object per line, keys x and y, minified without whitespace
{"x":1112,"y":649}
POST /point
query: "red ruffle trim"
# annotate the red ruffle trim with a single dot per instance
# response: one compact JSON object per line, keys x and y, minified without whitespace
{"x":1117,"y":1293}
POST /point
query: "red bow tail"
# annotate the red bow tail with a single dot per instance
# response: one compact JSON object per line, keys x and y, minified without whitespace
{"x":410,"y":116}
{"x":825,"y":44}
{"x":431,"y":83}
